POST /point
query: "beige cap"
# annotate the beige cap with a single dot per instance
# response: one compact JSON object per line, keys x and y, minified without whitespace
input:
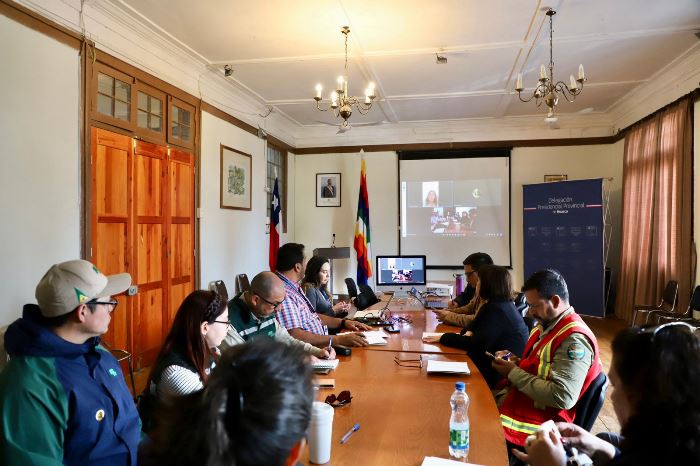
{"x":69,"y":284}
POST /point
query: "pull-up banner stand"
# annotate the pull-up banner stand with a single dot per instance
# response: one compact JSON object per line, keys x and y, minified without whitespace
{"x":563,"y":229}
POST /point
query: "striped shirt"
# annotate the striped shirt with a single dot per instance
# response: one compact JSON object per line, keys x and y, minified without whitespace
{"x":296,"y":310}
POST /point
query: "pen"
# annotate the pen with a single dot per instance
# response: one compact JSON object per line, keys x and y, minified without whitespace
{"x":330,"y":344}
{"x":506,"y":356}
{"x":347,"y":435}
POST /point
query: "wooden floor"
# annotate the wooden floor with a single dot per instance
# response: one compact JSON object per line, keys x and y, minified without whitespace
{"x":604,"y":330}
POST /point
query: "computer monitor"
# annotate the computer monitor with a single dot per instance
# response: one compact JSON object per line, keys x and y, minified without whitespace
{"x":400,"y":273}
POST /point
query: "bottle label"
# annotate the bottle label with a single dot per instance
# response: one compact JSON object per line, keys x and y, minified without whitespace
{"x":459,"y":439}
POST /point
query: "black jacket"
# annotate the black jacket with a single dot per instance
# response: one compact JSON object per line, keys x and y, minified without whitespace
{"x":497,"y":326}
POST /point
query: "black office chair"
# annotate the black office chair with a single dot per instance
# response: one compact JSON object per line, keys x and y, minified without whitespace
{"x":667,"y":304}
{"x":242,"y":283}
{"x":122,"y":355}
{"x":691,"y":314}
{"x":352,"y":288}
{"x":366,"y":298}
{"x":591,"y":402}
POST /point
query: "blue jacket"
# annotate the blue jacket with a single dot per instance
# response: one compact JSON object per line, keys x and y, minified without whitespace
{"x":63,"y":403}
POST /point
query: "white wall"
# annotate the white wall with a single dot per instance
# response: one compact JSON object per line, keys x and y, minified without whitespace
{"x":39,"y":161}
{"x":314,"y":226}
{"x":234,"y":241}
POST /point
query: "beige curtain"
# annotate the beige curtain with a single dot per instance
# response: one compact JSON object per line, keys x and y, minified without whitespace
{"x":657,"y":192}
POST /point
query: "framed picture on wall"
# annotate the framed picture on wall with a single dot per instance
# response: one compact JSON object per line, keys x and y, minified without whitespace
{"x":549,"y":178}
{"x":236,"y":175}
{"x":327,"y":189}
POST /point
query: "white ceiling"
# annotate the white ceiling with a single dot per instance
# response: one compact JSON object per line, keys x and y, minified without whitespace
{"x":280,"y":49}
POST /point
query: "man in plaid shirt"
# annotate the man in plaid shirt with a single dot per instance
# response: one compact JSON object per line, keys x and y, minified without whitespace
{"x":296,"y":312}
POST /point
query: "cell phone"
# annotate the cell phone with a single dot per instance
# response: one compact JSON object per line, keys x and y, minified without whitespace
{"x":392,"y":329}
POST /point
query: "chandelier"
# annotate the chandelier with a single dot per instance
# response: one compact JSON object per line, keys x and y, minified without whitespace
{"x":548,"y":90}
{"x":340,"y":101}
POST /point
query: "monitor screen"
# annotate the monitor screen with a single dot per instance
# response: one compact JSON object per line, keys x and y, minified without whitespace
{"x":400,"y":270}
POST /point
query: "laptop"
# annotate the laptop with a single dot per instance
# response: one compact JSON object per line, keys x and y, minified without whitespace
{"x":429,"y":302}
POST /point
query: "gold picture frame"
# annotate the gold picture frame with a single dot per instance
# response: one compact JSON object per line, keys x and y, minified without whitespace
{"x":235,"y":179}
{"x":551,"y":178}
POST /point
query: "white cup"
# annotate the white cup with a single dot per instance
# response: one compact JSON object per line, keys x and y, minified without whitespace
{"x":320,"y":432}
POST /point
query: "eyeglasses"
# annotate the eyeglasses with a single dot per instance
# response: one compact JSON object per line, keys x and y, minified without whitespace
{"x":228,"y":324}
{"x":342,"y":399}
{"x":112,"y":302}
{"x":468,"y":274}
{"x":274,"y":305}
{"x":655,"y":330}
{"x":401,"y":320}
{"x":415,"y":363}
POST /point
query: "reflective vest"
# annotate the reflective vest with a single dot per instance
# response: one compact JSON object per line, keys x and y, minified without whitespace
{"x":519,"y":416}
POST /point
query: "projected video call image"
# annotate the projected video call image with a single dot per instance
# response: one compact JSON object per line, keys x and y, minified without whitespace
{"x":397,"y":270}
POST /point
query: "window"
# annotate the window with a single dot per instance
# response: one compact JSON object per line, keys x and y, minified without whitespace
{"x":150,"y":112}
{"x":181,"y":126}
{"x":276,"y":164}
{"x":113,"y":97}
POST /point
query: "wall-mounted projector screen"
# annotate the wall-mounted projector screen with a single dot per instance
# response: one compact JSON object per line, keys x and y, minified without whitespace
{"x":454,"y":203}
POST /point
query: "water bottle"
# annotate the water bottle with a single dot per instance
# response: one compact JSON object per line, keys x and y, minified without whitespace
{"x":459,"y":283}
{"x":459,"y":422}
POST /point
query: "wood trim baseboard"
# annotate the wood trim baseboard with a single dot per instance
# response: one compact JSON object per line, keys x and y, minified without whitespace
{"x":36,"y":22}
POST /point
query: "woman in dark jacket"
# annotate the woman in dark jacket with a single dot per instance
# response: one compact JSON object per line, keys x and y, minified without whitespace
{"x":497,"y":325}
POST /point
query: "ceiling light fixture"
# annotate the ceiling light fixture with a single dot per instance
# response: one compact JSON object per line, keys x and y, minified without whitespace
{"x":440,"y":59}
{"x":228,"y":70}
{"x":548,"y":90}
{"x":340,"y":101}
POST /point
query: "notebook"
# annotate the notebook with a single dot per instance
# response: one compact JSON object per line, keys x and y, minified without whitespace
{"x":325,"y":364}
{"x":377,"y":337}
{"x":434,"y":461}
{"x":447,"y":367}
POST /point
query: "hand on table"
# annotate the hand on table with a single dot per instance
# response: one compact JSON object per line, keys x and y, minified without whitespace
{"x":356,"y":326}
{"x":431,"y":339}
{"x":546,"y":450}
{"x":351,"y":339}
{"x":440,"y":314}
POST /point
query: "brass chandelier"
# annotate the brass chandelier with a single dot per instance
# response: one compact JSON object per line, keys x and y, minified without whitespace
{"x":340,"y":101}
{"x":548,"y":90}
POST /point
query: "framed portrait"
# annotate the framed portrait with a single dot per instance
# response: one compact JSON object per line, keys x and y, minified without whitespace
{"x":549,"y":178}
{"x":327,"y":189}
{"x":236,"y":176}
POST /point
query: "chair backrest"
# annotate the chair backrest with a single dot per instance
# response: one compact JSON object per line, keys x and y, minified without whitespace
{"x":669,"y":297}
{"x":521,"y":303}
{"x":3,"y":354}
{"x":352,"y":288}
{"x":591,"y":402}
{"x":694,"y":305}
{"x":242,"y":283}
{"x":366,"y":298}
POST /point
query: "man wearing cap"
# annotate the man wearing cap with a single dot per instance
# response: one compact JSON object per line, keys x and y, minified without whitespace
{"x":63,"y":399}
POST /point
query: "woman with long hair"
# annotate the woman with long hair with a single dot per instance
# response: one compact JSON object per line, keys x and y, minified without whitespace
{"x":315,"y":285}
{"x":190,"y":351}
{"x":497,"y":324}
{"x":431,"y":199}
{"x":655,"y":375}
{"x":255,"y":410}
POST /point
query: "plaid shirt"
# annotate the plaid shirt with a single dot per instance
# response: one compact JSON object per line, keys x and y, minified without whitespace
{"x":296,"y":310}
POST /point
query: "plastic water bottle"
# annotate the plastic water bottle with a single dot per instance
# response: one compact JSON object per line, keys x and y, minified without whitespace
{"x":459,"y":422}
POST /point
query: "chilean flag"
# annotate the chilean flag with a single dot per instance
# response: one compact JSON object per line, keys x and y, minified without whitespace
{"x":274,"y":225}
{"x":362,"y":237}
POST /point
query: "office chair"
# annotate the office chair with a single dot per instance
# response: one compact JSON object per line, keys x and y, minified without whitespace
{"x":122,"y":355}
{"x":4,"y":357}
{"x":242,"y":283}
{"x":666,"y":305}
{"x":591,"y":402}
{"x":691,"y":314}
{"x":366,"y":298}
{"x":352,"y":288}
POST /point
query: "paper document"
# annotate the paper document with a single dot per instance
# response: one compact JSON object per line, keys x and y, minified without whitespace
{"x":434,"y":461}
{"x":322,"y":364}
{"x":449,"y":367}
{"x":375,"y":340}
{"x":432,"y":334}
{"x":376,"y":333}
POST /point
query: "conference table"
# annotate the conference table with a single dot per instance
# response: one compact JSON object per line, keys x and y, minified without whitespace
{"x":403,"y":412}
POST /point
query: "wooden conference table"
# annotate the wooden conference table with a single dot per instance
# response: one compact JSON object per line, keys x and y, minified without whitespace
{"x":403,"y":412}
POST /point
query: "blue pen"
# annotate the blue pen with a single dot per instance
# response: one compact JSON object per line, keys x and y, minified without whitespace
{"x":347,"y":435}
{"x":506,"y":356}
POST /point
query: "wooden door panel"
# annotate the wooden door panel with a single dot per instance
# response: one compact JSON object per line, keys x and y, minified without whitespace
{"x":111,"y":187}
{"x":149,"y":189}
{"x":149,"y":254}
{"x":148,"y":326}
{"x":110,"y":259}
{"x":178,"y":293}
{"x":180,"y":251}
{"x":182,"y":189}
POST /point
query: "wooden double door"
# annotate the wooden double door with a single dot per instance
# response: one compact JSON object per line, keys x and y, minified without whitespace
{"x":143,"y":222}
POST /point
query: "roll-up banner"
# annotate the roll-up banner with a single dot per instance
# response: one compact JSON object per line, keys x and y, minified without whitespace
{"x":563,"y":229}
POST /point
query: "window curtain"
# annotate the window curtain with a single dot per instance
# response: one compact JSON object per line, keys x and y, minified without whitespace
{"x":657,"y":193}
